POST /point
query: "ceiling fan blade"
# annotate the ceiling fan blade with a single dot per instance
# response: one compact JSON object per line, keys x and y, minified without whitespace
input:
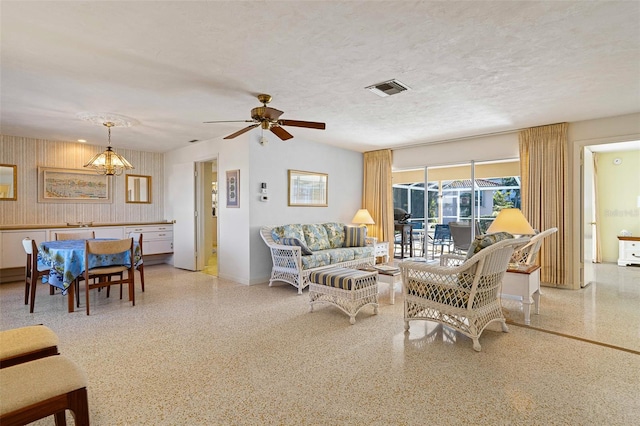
{"x":298,"y":123}
{"x":232,"y":121}
{"x":281,"y":133}
{"x":239,"y":132}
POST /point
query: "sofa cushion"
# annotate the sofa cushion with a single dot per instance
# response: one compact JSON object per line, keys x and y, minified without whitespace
{"x":296,"y":242}
{"x":362,"y":252}
{"x":355,"y":236}
{"x":484,"y":241}
{"x":287,"y":231}
{"x":341,"y":255}
{"x":335,"y":233}
{"x":316,"y":237}
{"x":319,"y":258}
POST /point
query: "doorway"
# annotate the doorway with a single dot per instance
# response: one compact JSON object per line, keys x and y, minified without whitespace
{"x":606,"y":210}
{"x":207,"y":217}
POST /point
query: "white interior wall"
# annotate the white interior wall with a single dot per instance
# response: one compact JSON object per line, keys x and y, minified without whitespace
{"x":242,"y":255}
{"x":233,"y":237}
{"x":270,"y":164}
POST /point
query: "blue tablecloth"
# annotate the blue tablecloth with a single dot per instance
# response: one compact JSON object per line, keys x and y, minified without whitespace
{"x":65,"y":258}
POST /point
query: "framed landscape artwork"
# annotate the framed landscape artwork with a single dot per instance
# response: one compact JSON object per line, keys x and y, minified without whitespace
{"x":72,"y":186}
{"x":308,"y":189}
{"x":233,"y":188}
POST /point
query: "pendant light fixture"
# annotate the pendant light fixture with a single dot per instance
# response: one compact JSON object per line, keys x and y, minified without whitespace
{"x":108,"y":162}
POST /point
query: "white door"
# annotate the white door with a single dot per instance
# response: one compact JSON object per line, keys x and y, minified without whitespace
{"x":588,"y":219}
{"x":181,"y":184}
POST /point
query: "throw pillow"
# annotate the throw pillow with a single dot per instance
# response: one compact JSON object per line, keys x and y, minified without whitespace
{"x":316,"y":237}
{"x":484,"y":241}
{"x":296,"y":242}
{"x":335,"y":233}
{"x":355,"y":236}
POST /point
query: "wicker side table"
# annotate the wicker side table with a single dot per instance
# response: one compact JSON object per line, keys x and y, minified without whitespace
{"x":348,"y":289}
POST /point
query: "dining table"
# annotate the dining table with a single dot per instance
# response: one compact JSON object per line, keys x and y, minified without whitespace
{"x":65,"y":259}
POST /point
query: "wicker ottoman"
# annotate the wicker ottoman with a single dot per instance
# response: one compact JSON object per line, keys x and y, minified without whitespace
{"x":348,"y":289}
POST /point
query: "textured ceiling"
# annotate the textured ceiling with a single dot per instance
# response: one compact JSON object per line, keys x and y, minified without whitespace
{"x":473,"y":67}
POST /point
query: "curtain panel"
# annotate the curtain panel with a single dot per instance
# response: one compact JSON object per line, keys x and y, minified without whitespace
{"x":377,"y":194}
{"x":543,"y":172}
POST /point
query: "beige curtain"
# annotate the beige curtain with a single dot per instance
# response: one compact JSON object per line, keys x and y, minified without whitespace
{"x":543,"y":171}
{"x":377,"y":194}
{"x":597,"y":255}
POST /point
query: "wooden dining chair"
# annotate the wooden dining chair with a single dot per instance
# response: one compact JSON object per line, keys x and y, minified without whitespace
{"x":81,"y":235}
{"x":32,"y":273}
{"x":106,"y":274}
{"x":140,"y":267}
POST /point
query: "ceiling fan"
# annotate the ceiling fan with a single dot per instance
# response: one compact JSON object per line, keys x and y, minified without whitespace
{"x":268,"y":118}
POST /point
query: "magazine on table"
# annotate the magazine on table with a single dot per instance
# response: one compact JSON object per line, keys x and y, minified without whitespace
{"x":386,"y":269}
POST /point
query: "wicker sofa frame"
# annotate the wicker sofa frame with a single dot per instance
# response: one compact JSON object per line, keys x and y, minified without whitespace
{"x":287,"y":262}
{"x":465,"y":297}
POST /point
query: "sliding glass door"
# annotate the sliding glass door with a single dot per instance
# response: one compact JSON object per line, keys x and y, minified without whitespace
{"x":466,"y":193}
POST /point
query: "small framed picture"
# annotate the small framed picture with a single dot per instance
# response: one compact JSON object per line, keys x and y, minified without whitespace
{"x":233,"y":188}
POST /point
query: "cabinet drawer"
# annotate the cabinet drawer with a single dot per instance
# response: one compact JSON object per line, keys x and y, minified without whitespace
{"x":145,"y":229}
{"x":150,"y":236}
{"x":157,"y":247}
{"x":631,"y":254}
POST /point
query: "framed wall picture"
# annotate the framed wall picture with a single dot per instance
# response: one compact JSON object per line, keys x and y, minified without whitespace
{"x":8,"y":182}
{"x":72,"y":186}
{"x":138,"y":189}
{"x":308,"y":189}
{"x":233,"y":188}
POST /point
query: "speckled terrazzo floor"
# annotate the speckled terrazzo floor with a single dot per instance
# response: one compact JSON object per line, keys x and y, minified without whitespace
{"x":196,"y":350}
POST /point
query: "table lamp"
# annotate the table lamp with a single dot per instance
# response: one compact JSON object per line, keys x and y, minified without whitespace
{"x":511,"y":221}
{"x":363,"y":217}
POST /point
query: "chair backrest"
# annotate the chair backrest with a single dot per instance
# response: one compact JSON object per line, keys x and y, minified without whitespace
{"x":492,"y":262}
{"x":527,"y":255}
{"x":461,"y":234}
{"x":442,"y":233}
{"x":108,"y":246}
{"x":82,"y":235}
{"x":28,"y":244}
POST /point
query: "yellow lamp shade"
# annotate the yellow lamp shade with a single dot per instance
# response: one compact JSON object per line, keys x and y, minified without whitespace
{"x":363,"y":217}
{"x":511,"y":221}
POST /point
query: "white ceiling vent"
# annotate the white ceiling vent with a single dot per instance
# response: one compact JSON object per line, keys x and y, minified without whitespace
{"x":388,"y":88}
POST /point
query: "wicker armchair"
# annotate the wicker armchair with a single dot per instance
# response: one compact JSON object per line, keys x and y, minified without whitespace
{"x":465,"y":297}
{"x":527,"y":255}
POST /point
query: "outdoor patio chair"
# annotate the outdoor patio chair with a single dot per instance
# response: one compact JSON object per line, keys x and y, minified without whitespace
{"x":442,"y":239}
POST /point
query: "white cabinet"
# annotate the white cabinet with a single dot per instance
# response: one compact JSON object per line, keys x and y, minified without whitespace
{"x":628,"y":251}
{"x":12,"y":253}
{"x":156,"y":239}
{"x":100,"y":231}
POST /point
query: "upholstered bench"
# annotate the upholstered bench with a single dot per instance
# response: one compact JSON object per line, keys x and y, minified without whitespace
{"x":26,"y":344}
{"x":37,"y":389}
{"x":348,"y":289}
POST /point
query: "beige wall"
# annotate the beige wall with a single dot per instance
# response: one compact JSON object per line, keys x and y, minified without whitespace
{"x":618,"y":199}
{"x":29,"y":154}
{"x":483,"y":171}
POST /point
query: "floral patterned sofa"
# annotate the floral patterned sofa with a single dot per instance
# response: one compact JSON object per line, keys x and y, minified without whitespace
{"x":297,"y":250}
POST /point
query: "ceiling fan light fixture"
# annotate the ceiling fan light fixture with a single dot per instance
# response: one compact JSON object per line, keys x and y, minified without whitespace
{"x":388,"y":88}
